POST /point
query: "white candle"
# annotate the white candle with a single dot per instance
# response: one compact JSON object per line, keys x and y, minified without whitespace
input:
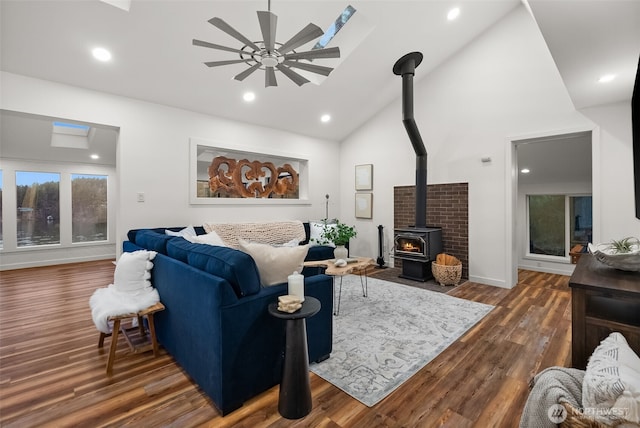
{"x":296,"y":285}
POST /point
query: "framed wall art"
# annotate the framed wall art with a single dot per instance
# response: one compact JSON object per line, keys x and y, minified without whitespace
{"x":364,"y":177}
{"x":364,"y":205}
{"x":225,"y":175}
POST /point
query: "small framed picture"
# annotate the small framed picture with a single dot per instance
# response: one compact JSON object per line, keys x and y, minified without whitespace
{"x":364,"y":177}
{"x":364,"y":204}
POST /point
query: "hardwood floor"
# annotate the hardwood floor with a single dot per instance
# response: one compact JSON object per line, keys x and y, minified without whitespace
{"x":53,"y":374}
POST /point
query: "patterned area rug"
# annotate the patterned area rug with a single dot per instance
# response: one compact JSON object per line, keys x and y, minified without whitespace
{"x":382,"y":340}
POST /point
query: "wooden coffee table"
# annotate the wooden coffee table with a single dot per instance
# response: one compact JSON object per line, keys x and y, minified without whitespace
{"x":357,"y":265}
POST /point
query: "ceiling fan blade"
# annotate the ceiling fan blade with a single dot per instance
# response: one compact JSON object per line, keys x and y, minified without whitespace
{"x":218,"y":63}
{"x":270,"y":77}
{"x":297,"y":79}
{"x":308,"y":33}
{"x":197,"y":42}
{"x":319,"y":69}
{"x":268,"y":22}
{"x":315,"y":53}
{"x":247,"y":72}
{"x":219,"y":23}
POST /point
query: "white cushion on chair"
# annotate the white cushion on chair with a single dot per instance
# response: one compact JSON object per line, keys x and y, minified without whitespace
{"x":131,"y":291}
{"x":133,"y":272}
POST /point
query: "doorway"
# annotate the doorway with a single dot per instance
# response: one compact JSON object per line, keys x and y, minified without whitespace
{"x":555,"y":167}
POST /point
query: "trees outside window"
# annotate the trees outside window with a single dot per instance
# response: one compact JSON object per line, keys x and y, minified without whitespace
{"x":38,"y":200}
{"x":88,"y":208}
{"x":558,"y":222}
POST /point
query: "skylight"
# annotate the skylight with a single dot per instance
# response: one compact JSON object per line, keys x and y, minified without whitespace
{"x":335,"y":27}
{"x":71,"y":128}
{"x":71,"y":135}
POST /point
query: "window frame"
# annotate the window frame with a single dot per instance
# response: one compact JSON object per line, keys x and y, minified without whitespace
{"x":11,"y":166}
{"x":567,"y":228}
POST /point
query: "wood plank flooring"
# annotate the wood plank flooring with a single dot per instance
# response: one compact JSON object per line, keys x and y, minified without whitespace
{"x":52,"y":373}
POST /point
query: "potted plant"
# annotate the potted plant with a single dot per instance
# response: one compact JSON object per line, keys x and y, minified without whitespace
{"x":339,"y":234}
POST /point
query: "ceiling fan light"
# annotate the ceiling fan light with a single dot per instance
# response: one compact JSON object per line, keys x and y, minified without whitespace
{"x":269,"y":60}
{"x":325,"y":118}
{"x":249,"y":96}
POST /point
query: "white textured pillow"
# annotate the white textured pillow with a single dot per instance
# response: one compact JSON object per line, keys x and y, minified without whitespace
{"x":612,"y":380}
{"x":315,"y":234}
{"x":275,"y":264}
{"x":188,"y":231}
{"x":210,"y":238}
{"x":132,"y":272}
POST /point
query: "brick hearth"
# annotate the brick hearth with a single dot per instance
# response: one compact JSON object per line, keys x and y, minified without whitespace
{"x":447,"y":207}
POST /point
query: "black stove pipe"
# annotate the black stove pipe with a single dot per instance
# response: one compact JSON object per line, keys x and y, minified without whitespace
{"x":406,"y":67}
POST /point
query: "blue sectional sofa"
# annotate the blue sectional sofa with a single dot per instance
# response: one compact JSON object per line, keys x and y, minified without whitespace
{"x":216,"y":324}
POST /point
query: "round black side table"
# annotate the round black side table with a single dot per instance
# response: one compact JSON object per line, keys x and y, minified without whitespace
{"x":295,"y":390}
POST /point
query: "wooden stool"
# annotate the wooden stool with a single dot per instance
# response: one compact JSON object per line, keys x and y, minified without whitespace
{"x":153,"y":344}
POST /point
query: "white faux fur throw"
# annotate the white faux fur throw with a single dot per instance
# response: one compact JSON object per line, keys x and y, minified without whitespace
{"x":106,"y":302}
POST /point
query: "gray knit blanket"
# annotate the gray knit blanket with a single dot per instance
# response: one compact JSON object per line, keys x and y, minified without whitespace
{"x":551,"y":386}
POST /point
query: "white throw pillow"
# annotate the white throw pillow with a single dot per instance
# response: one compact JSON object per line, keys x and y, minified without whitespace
{"x":188,"y":231}
{"x":316,"y":230}
{"x":292,"y":243}
{"x":612,"y":380}
{"x":210,"y":238}
{"x":132,"y":272}
{"x":275,"y":264}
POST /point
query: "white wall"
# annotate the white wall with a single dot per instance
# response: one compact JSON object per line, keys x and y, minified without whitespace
{"x":504,"y":84}
{"x":613,"y":159}
{"x":153,"y":154}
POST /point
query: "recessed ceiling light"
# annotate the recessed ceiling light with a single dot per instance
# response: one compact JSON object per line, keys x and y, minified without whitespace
{"x":607,"y":78}
{"x":101,"y":54}
{"x":325,"y":118}
{"x":525,"y":170}
{"x":249,"y":96}
{"x":95,"y":157}
{"x":453,"y":13}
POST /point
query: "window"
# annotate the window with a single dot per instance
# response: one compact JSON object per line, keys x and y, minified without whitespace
{"x":1,"y":239}
{"x":557,"y":223}
{"x":38,"y":200}
{"x":88,"y":208}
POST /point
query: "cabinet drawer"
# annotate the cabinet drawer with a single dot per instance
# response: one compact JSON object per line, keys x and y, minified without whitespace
{"x":613,"y":308}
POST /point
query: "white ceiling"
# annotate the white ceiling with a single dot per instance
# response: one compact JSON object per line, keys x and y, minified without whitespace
{"x":556,"y":159}
{"x":154,"y":60}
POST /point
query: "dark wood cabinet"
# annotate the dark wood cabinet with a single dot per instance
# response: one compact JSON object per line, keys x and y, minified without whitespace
{"x":603,"y":300}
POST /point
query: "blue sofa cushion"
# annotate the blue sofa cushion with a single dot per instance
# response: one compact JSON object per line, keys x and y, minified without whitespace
{"x":319,"y":252}
{"x":152,"y":240}
{"x":133,"y":233}
{"x":236,"y":267}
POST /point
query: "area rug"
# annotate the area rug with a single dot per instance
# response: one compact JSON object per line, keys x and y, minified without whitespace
{"x":382,"y":340}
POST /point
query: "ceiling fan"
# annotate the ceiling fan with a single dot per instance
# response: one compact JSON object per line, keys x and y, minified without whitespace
{"x":269,"y":55}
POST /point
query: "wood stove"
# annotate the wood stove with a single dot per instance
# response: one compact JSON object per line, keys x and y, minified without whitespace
{"x":417,"y":247}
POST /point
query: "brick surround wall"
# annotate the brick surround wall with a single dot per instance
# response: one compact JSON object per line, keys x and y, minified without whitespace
{"x":447,"y":207}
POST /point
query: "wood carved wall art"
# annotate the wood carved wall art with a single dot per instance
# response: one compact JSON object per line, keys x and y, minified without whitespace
{"x":221,"y":174}
{"x":243,"y":178}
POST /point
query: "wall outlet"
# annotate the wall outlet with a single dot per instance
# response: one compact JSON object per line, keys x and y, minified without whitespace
{"x":140,"y":197}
